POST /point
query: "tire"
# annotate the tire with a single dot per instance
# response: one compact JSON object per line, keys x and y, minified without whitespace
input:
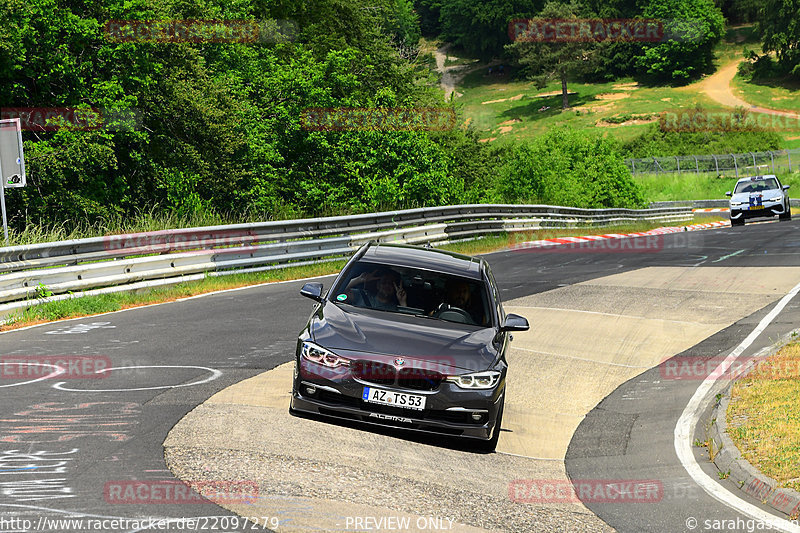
{"x":785,"y":216}
{"x":739,"y":222}
{"x":488,"y":446}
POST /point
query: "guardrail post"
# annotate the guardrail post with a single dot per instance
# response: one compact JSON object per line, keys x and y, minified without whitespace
{"x":696,"y":165}
{"x":789,"y":156}
{"x":735,"y":166}
{"x":716,"y":163}
{"x":772,"y":160}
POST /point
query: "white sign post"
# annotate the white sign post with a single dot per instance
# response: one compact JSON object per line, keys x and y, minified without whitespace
{"x":12,"y":162}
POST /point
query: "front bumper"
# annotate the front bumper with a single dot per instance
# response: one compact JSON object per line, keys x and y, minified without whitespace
{"x":448,"y":410}
{"x":769,"y":209}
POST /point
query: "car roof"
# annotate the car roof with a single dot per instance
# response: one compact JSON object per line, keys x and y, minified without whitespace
{"x":757,"y":178}
{"x":404,"y":255}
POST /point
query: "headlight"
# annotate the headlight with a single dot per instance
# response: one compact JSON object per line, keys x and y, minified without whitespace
{"x":736,"y":204}
{"x":775,"y":199}
{"x":318,"y":354}
{"x":479,"y":380}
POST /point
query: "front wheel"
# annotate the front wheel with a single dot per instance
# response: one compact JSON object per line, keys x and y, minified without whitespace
{"x":786,"y":216}
{"x":737,"y":222}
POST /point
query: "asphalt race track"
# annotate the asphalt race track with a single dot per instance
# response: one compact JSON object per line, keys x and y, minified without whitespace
{"x":74,"y":444}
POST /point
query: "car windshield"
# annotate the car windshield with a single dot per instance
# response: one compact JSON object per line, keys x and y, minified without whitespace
{"x":757,"y":185}
{"x":414,"y":291}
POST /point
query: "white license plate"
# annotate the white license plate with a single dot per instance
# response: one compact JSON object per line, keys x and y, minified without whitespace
{"x":396,"y":399}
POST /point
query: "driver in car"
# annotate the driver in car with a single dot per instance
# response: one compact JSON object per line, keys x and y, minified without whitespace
{"x":459,"y":295}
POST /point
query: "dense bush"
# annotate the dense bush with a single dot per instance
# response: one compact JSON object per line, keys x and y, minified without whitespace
{"x":568,"y":167}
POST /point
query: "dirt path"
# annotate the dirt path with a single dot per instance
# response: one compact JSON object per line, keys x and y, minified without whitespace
{"x":718,"y":88}
{"x":454,"y":73}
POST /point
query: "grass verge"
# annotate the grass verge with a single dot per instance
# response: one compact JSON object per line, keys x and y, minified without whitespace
{"x":763,"y":419}
{"x":707,"y":186}
{"x":93,"y":305}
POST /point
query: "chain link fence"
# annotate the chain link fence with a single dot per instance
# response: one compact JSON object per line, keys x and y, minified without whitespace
{"x":748,"y":164}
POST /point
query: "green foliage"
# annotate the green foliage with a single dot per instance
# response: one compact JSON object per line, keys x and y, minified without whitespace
{"x":568,"y":167}
{"x":218,"y":130}
{"x":779,"y":27}
{"x":657,"y":141}
{"x":480,"y":27}
{"x":740,"y":11}
{"x":544,"y":61}
{"x":697,"y":25}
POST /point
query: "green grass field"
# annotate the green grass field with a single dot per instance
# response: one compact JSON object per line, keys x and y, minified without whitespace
{"x":687,"y":186}
{"x":505,"y":108}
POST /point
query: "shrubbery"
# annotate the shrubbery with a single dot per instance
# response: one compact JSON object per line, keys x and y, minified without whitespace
{"x":571,"y":168}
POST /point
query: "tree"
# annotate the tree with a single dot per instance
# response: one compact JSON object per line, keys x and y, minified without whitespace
{"x":779,"y":27}
{"x":480,"y":27}
{"x":545,"y":61}
{"x":692,"y":29}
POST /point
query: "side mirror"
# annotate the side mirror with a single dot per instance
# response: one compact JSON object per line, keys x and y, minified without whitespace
{"x":514,"y":322}
{"x":312,"y":290}
{"x":786,"y":187}
{"x":728,"y":193}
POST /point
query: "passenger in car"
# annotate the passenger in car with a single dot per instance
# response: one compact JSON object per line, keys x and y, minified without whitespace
{"x":388,"y":293}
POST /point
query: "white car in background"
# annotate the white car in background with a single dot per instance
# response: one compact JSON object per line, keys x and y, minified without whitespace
{"x":759,"y":196}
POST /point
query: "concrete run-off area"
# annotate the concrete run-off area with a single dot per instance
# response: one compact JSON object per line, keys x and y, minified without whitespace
{"x":585,"y":340}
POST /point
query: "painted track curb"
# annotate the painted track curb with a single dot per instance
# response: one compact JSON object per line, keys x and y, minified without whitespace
{"x":730,"y":461}
{"x":591,"y":238}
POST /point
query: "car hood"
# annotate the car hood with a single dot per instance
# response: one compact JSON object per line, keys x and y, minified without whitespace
{"x":382,"y":335}
{"x":745,"y":196}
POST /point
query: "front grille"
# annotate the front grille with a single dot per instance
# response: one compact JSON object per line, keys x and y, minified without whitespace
{"x":418,"y":379}
{"x":374,"y":372}
{"x":407,"y":378}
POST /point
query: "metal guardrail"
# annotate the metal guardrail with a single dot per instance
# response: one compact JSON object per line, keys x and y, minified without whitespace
{"x":702,"y":204}
{"x":127,"y":262}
